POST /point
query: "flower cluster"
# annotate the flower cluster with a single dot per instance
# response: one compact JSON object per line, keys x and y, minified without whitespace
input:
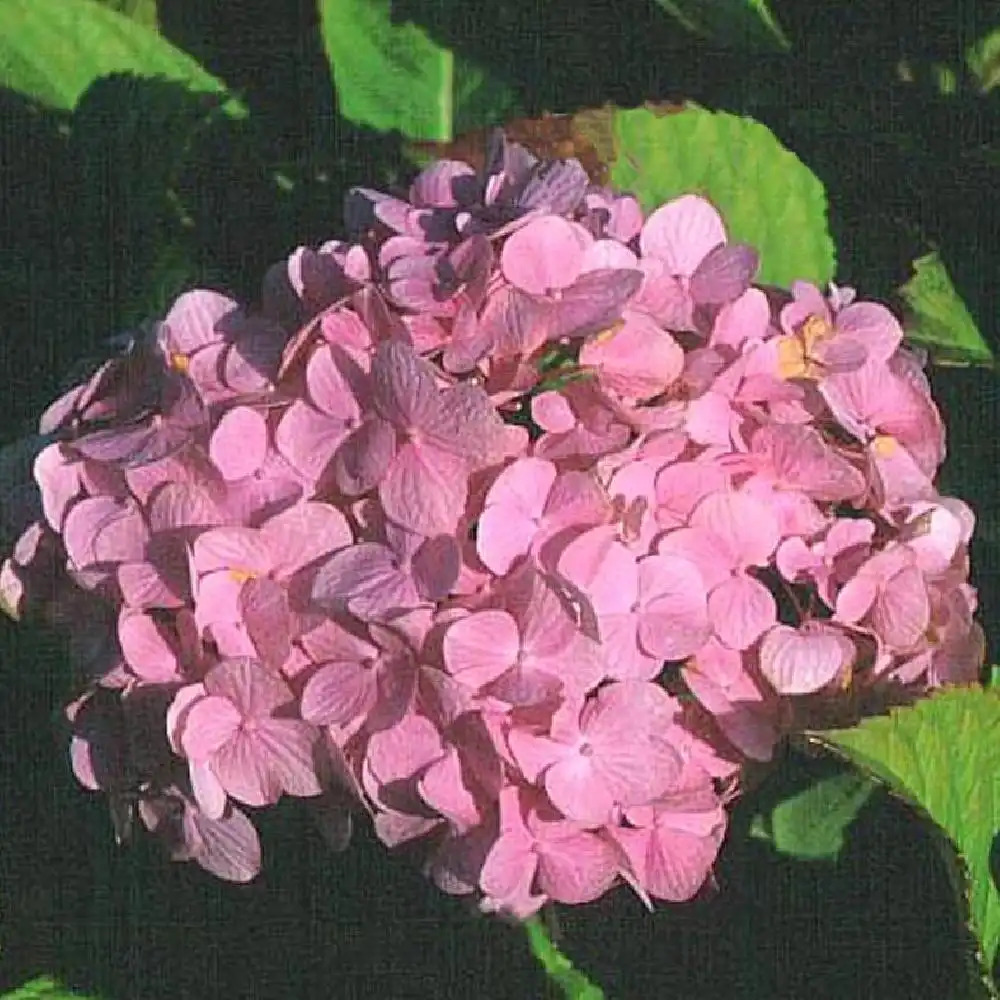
{"x":520,"y":522}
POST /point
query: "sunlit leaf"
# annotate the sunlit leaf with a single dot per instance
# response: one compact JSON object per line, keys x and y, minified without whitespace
{"x":53,"y":50}
{"x":766,"y":195}
{"x":141,"y":11}
{"x":44,"y":988}
{"x":983,"y":59}
{"x":943,"y":754}
{"x":738,"y":24}
{"x":393,"y":75}
{"x":939,"y":320}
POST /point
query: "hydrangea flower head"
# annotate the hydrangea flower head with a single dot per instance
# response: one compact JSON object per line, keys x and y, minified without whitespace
{"x":515,"y":521}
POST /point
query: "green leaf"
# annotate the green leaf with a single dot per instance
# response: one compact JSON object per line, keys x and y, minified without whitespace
{"x":939,"y":319}
{"x":131,"y":141}
{"x":738,"y":24}
{"x":573,"y":983}
{"x":943,"y":754}
{"x":811,"y":823}
{"x":53,"y":50}
{"x":983,"y":60}
{"x":766,"y":195}
{"x":43,"y":988}
{"x":392,"y":75}
{"x":141,"y":11}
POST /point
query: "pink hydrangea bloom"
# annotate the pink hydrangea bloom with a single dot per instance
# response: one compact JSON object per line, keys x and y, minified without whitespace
{"x":428,"y":538}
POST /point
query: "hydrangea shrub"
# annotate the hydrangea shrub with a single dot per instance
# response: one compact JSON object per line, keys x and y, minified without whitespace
{"x":519,"y":520}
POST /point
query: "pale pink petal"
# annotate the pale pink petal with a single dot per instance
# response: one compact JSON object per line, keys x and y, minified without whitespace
{"x":673,"y":623}
{"x":603,"y":568}
{"x":256,"y":690}
{"x":208,"y":791}
{"x":443,"y":787}
{"x":669,"y":864}
{"x":746,"y":318}
{"x":192,"y":320}
{"x":509,"y":869}
{"x":901,"y":614}
{"x":855,"y":599}
{"x":425,"y":489}
{"x":800,"y":661}
{"x":552,"y":412}
{"x":628,"y":726}
{"x":637,"y":360}
{"x":288,"y":745}
{"x":308,"y":439}
{"x":302,"y":534}
{"x":239,"y":442}
{"x":208,"y":725}
{"x":544,"y":255}
{"x":577,"y":791}
{"x":746,"y":527}
{"x":242,"y":767}
{"x":681,"y":233}
{"x":147,"y":649}
{"x":232,"y":548}
{"x":741,"y":610}
{"x":578,"y":868}
{"x":481,"y":646}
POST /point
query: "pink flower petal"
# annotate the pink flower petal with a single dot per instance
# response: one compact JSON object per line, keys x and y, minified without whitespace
{"x":209,"y":724}
{"x":544,"y":255}
{"x":800,"y":661}
{"x":741,"y":610}
{"x":253,"y":688}
{"x":239,"y":442}
{"x":681,"y":233}
{"x":339,"y":694}
{"x":481,"y":646}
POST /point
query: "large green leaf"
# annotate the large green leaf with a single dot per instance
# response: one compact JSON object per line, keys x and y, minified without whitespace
{"x":939,"y":319}
{"x":943,"y":754}
{"x":131,"y":142}
{"x":766,"y":195}
{"x":392,"y":75}
{"x":141,"y":11}
{"x":810,"y":823}
{"x":53,"y":50}
{"x":43,"y":988}
{"x":740,"y":24}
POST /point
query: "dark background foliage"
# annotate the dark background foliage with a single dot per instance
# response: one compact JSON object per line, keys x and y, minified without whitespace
{"x":146,"y":190}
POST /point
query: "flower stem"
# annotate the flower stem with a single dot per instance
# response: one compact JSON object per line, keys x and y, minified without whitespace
{"x":573,"y":983}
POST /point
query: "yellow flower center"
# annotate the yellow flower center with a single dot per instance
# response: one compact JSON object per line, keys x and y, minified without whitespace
{"x":813,"y":330}
{"x":605,"y":335}
{"x":885,"y":446}
{"x":795,"y":353}
{"x":180,"y":362}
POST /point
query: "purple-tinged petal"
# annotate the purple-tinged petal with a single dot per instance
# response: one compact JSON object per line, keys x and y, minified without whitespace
{"x":724,"y":275}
